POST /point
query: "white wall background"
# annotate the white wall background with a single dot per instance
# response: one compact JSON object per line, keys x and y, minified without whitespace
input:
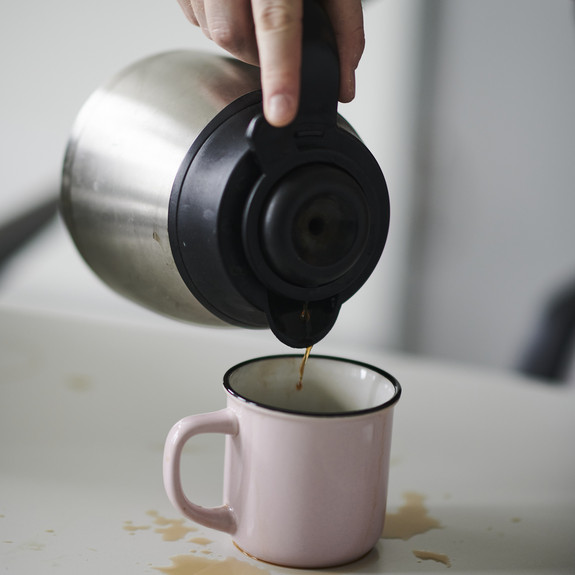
{"x":495,"y":227}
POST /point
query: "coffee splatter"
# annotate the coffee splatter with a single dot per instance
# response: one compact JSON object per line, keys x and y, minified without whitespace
{"x":190,"y":565}
{"x":412,"y":518}
{"x":79,"y":382}
{"x":201,"y":540}
{"x":129,"y":526}
{"x":431,"y":555}
{"x":171,"y":529}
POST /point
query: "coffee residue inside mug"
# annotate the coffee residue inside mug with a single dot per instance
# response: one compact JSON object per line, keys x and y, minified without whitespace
{"x":412,"y":518}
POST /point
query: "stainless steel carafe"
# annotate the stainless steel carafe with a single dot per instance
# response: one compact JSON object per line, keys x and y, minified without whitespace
{"x":182,"y":197}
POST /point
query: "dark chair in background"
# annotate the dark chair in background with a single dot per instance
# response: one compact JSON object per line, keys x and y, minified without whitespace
{"x":15,"y":233}
{"x":549,"y":353}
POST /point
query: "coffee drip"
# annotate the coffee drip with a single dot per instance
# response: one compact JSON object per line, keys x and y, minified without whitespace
{"x":302,"y":367}
{"x":305,"y":317}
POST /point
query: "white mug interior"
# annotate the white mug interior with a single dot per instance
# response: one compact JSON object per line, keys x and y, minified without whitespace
{"x":330,"y":386}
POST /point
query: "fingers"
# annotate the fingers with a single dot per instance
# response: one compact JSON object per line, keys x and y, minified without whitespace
{"x":187,"y":9}
{"x":200,"y":15}
{"x":346,"y":17}
{"x":278,"y":29}
{"x":268,"y":33}
{"x":278,"y":33}
{"x":230,"y":25}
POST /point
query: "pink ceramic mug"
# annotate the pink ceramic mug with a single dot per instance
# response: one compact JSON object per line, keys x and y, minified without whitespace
{"x":305,"y":474}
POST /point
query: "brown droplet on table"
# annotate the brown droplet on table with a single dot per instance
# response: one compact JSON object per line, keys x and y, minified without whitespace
{"x":412,"y":518}
{"x":433,"y":556}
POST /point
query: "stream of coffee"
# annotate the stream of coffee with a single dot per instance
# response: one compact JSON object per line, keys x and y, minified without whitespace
{"x":302,"y":367}
{"x":305,"y":316}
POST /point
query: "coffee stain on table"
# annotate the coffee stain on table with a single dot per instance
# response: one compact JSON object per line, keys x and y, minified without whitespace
{"x":34,"y":546}
{"x":171,"y":529}
{"x":412,"y":518}
{"x":79,"y":382}
{"x":431,"y":555}
{"x":201,"y":540}
{"x":131,"y":528}
{"x":190,"y":565}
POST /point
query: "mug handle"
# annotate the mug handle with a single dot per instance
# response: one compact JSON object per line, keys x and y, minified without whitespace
{"x":223,"y":421}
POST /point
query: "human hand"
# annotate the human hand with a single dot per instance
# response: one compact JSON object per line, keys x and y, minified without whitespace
{"x":268,"y":33}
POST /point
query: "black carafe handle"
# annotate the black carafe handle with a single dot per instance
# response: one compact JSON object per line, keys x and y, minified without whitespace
{"x":295,"y":322}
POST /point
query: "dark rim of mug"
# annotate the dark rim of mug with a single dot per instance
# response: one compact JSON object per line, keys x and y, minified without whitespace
{"x":385,"y":374}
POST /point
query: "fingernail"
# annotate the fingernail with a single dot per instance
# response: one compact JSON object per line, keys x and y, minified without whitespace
{"x":280,"y":110}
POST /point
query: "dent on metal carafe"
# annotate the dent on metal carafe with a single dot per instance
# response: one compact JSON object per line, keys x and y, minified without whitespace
{"x":181,"y":196}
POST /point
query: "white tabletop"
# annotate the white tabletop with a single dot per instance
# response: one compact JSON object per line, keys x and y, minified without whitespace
{"x":483,"y":462}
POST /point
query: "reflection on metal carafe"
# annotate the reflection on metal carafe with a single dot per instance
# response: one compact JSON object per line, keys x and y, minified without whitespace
{"x":182,"y":197}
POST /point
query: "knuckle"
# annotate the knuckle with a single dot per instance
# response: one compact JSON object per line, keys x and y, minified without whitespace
{"x":188,"y":11}
{"x":276,"y":16}
{"x":224,"y":36}
{"x":206,"y":31}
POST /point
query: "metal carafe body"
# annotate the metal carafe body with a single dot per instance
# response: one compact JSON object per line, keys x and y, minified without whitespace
{"x":180,"y":196}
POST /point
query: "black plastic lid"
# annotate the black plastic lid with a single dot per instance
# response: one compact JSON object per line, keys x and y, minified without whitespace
{"x":314,"y":225}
